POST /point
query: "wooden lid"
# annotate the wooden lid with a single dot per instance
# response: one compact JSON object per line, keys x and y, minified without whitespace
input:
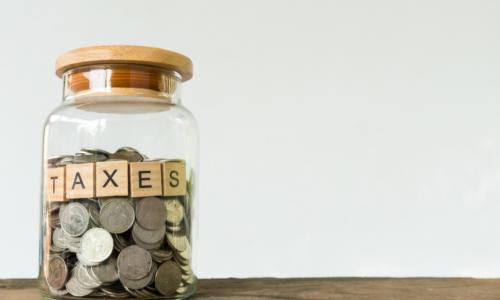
{"x":137,"y":55}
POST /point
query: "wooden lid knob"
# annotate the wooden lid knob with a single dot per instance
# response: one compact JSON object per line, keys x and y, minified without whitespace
{"x":137,"y":55}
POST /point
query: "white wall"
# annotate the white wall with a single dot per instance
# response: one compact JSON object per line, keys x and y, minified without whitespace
{"x":356,"y":138}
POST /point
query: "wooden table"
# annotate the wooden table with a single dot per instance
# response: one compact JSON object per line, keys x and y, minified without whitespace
{"x":313,"y":288}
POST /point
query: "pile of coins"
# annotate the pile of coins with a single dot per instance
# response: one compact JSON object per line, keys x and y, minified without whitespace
{"x":118,"y":247}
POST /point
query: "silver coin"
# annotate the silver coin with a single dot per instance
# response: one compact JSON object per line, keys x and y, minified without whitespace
{"x":117,"y":215}
{"x":66,"y":160}
{"x":82,"y":158}
{"x":106,"y":272}
{"x":120,"y":241}
{"x":147,"y":246}
{"x":150,"y":213}
{"x":83,"y":276}
{"x":139,"y":283}
{"x":148,"y":236}
{"x":62,"y":207}
{"x":96,"y":151}
{"x":55,"y":249}
{"x":148,"y":292}
{"x":175,"y":211}
{"x":114,"y":291}
{"x":58,"y":238}
{"x":76,"y":289}
{"x":74,"y":219}
{"x":52,"y":161}
{"x":83,"y":261}
{"x":94,"y":213}
{"x":74,"y":247}
{"x":161,"y":255}
{"x":96,"y":245}
{"x":127,"y":153}
{"x":127,"y":149}
{"x":134,"y":262}
{"x":63,"y":241}
{"x":132,"y":292}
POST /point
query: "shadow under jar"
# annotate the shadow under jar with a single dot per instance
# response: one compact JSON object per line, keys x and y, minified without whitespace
{"x":120,"y":158}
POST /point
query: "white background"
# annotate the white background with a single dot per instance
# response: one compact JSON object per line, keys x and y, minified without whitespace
{"x":339,"y":138}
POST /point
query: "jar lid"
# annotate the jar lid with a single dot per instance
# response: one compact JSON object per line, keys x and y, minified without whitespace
{"x":121,"y":54}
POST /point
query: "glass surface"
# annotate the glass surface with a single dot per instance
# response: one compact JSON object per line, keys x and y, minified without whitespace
{"x":93,"y":124}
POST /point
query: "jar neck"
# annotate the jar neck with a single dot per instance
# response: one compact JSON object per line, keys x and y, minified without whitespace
{"x":101,"y":82}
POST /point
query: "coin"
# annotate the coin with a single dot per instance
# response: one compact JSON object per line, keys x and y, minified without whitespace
{"x":58,"y":272}
{"x":139,"y":283}
{"x":61,"y":239}
{"x":96,"y":151}
{"x":175,"y":211}
{"x":134,"y":263}
{"x":82,"y":158}
{"x":150,"y":213}
{"x":127,"y":153}
{"x":58,"y":239}
{"x":117,"y":215}
{"x":52,"y":161}
{"x":65,"y":160}
{"x":149,"y":236}
{"x":184,"y":256}
{"x":120,"y":241}
{"x":76,"y":289}
{"x":58,"y":292}
{"x":114,"y":291}
{"x":83,"y":276}
{"x":75,"y":219}
{"x":85,"y":262}
{"x":62,"y":207}
{"x":178,"y":242}
{"x":182,"y":289}
{"x":173,"y":228}
{"x":147,"y":246}
{"x":188,"y":277}
{"x":168,"y":278}
{"x":96,"y":245}
{"x":94,"y":213}
{"x":86,"y":232}
{"x":107,"y":271}
{"x":161,"y":255}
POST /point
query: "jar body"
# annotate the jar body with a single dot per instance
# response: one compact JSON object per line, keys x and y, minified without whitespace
{"x":119,"y":198}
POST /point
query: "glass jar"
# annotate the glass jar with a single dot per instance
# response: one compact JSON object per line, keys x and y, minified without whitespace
{"x":120,"y":157}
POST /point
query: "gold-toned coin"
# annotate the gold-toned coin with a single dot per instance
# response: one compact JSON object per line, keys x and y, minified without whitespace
{"x":168,"y":278}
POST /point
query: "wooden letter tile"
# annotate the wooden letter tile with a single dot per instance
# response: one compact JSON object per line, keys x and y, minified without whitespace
{"x":145,"y":179}
{"x":174,"y":178}
{"x":111,"y":178}
{"x":80,"y":181}
{"x":55,"y":184}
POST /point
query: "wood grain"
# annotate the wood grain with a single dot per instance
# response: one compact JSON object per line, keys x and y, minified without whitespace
{"x":111,"y":178}
{"x":314,"y":289}
{"x":55,"y":184}
{"x":145,"y":179}
{"x":174,"y":178}
{"x":80,"y":181}
{"x":125,"y":54}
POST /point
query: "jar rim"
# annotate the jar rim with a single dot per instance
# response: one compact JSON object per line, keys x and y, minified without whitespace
{"x":127,"y":55}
